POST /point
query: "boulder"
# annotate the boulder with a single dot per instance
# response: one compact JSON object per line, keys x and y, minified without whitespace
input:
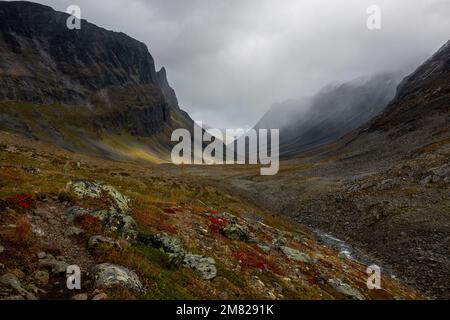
{"x":80,"y":297}
{"x":346,"y":289}
{"x":56,"y":266}
{"x":116,"y":221}
{"x":204,"y":266}
{"x":296,"y":255}
{"x":100,"y":296}
{"x":169,"y":244}
{"x":235,"y":232}
{"x":109,"y":275}
{"x":10,"y":280}
{"x":95,"y":241}
{"x":83,"y":188}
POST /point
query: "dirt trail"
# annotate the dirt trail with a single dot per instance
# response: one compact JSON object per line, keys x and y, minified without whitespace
{"x":58,"y":232}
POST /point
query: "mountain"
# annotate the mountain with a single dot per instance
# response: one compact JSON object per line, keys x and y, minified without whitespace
{"x":330,"y":114}
{"x":89,"y":90}
{"x":417,"y":119}
{"x":382,"y":188}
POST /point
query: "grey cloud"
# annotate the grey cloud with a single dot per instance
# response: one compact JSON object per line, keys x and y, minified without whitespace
{"x":230,"y":60}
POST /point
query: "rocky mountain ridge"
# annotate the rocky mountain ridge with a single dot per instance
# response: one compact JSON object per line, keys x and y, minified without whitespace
{"x":106,"y":80}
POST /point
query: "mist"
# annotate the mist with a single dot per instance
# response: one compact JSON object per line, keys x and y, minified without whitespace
{"x":229,"y":61}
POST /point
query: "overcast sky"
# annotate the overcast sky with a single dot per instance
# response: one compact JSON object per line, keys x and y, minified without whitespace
{"x":229,"y":60}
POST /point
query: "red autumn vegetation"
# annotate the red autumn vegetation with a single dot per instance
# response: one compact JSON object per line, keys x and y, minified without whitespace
{"x":90,"y":223}
{"x":217,"y":224}
{"x":20,"y":201}
{"x":254,"y":260}
{"x":21,"y":234}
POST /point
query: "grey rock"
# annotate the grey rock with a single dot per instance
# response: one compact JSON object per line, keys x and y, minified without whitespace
{"x":109,"y":275}
{"x":83,"y":188}
{"x":41,"y":255}
{"x":31,"y":170}
{"x":37,"y":230}
{"x":73,"y":231}
{"x":426,"y":180}
{"x":95,"y":241}
{"x":278,"y":241}
{"x":204,"y":266}
{"x":367,"y":185}
{"x":80,"y":297}
{"x":436,"y":179}
{"x":14,"y":298}
{"x":235,"y":232}
{"x":77,"y":212}
{"x":116,"y":221}
{"x":11,"y":281}
{"x":264,"y":247}
{"x":296,"y":255}
{"x":230,"y":217}
{"x":442,"y":172}
{"x":346,"y":289}
{"x":2,"y":248}
{"x":100,"y":296}
{"x":169,"y":244}
{"x":56,"y":266}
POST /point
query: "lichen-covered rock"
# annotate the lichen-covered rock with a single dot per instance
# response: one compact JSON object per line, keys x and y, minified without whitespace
{"x":296,"y":255}
{"x":169,"y":244}
{"x":75,"y":212}
{"x":83,"y":188}
{"x":204,"y":266}
{"x":11,"y":281}
{"x":112,"y":220}
{"x":230,"y":217}
{"x":345,"y":289}
{"x":56,"y":266}
{"x":235,"y":232}
{"x":96,"y":241}
{"x":118,"y":222}
{"x":109,"y":275}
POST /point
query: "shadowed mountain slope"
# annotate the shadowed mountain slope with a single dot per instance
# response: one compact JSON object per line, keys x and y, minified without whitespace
{"x":89,"y":90}
{"x":330,"y":114}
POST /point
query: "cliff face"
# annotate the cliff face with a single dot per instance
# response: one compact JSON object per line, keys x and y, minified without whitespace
{"x":109,"y":74}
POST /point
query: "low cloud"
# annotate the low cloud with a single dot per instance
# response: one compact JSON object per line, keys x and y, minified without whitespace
{"x":230,"y":60}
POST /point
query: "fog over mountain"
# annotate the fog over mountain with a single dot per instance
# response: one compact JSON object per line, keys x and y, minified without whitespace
{"x":229,"y":61}
{"x":334,"y":111}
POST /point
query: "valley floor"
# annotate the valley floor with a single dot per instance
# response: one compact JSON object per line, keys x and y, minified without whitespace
{"x":158,"y":232}
{"x":394,"y":211}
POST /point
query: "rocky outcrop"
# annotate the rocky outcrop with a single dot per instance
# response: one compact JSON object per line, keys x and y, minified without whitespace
{"x":205,"y":267}
{"x":109,"y":275}
{"x":94,"y":82}
{"x":116,"y":219}
{"x":84,"y":188}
